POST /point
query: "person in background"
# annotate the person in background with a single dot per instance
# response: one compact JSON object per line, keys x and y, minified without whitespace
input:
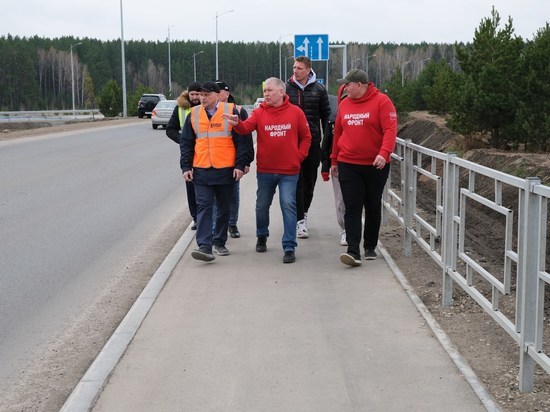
{"x":306,"y":92}
{"x":212,"y":157}
{"x":365,"y":135}
{"x":326,"y":150}
{"x":283,"y":140}
{"x":225,"y":96}
{"x":187,"y":99}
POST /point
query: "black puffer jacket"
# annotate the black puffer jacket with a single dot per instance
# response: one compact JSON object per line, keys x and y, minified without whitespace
{"x":313,"y":100}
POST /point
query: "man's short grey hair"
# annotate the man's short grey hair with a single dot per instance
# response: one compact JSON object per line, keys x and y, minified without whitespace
{"x":276,"y":82}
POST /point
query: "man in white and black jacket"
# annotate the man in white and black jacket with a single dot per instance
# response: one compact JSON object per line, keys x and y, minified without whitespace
{"x":304,"y":91}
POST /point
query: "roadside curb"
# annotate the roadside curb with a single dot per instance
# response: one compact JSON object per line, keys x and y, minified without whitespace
{"x":89,"y":387}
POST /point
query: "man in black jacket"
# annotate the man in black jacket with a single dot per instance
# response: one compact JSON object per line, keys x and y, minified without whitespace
{"x":304,"y":91}
{"x":186,"y":100}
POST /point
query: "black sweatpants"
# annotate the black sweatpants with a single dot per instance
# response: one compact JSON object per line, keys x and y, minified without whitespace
{"x":362,"y":187}
{"x":307,"y":180}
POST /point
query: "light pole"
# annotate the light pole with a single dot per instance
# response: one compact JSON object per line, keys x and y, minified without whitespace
{"x":280,"y":58}
{"x":218,"y":15}
{"x":367,"y":63}
{"x":72,"y":75}
{"x":403,"y":73}
{"x":169,"y":66}
{"x":195,"y":65}
{"x":123,"y":61}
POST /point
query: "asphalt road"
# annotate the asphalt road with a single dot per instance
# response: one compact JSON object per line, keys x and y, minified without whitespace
{"x":79,"y":212}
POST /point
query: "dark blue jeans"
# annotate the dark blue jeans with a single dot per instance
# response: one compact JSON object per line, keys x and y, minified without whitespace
{"x":267,"y":184}
{"x":362,"y":187}
{"x":191,"y":201}
{"x":206,"y":196}
{"x":234,"y":207}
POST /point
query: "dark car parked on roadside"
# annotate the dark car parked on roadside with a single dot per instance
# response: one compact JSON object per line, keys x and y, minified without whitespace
{"x":147,"y":103}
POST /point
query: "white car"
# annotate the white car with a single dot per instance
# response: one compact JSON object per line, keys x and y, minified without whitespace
{"x":259,"y":101}
{"x":162,"y":112}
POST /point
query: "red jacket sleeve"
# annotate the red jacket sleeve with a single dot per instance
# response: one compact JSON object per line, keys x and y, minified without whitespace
{"x":246,"y":126}
{"x":388,"y":123}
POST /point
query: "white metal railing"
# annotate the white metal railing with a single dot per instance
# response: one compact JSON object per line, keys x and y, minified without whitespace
{"x":448,"y":186}
{"x":40,"y":115}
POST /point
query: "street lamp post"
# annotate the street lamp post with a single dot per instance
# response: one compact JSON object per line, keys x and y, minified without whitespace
{"x":123,"y":61}
{"x":72,"y":75}
{"x":195,"y":65}
{"x":218,"y":15}
{"x":169,"y":67}
{"x":280,"y":58}
{"x":403,"y":73}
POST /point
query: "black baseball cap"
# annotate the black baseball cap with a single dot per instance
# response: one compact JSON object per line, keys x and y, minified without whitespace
{"x":222,"y":85}
{"x":210,"y":87}
{"x":194,"y":87}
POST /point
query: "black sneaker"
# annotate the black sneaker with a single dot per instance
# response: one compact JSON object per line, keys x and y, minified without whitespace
{"x":370,"y":254}
{"x":194,"y":226}
{"x":221,"y":250}
{"x":203,"y":254}
{"x":350,"y":260}
{"x":289,"y":257}
{"x":261,"y":244}
{"x":233,"y":231}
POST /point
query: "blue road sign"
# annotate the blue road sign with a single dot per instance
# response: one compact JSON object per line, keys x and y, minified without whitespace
{"x":314,"y":46}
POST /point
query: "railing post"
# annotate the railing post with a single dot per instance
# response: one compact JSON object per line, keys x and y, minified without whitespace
{"x":451,"y":180}
{"x":406,"y":192}
{"x":385,"y":201}
{"x":528,"y":264}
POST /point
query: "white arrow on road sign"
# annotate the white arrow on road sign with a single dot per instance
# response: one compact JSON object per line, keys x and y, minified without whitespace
{"x":320,"y":44}
{"x":304,"y":47}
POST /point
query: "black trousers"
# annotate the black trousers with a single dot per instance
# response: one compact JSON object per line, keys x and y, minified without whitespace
{"x":191,"y":200}
{"x":362,"y":188}
{"x":307,"y":180}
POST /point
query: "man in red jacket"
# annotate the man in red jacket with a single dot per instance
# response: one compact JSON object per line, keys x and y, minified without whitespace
{"x":283,"y":140}
{"x":364,"y":137}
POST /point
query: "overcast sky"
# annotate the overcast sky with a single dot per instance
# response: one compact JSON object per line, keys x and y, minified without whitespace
{"x":396,"y":21}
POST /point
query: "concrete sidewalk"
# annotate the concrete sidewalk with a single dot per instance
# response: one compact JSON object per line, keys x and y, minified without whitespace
{"x":249,"y":333}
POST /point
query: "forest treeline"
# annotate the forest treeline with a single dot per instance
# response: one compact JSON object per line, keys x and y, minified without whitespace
{"x":497,"y":85}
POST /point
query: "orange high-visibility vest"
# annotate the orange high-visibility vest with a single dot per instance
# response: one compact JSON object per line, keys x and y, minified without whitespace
{"x":214,"y":144}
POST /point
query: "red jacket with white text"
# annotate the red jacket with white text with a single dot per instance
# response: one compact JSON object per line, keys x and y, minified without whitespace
{"x":364,"y":128}
{"x":283,"y":137}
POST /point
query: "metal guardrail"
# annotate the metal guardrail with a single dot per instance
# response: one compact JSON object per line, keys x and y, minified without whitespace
{"x":441,"y":230}
{"x":48,"y":115}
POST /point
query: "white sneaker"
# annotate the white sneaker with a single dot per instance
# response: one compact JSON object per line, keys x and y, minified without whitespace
{"x":343,"y":241}
{"x":301,"y":229}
